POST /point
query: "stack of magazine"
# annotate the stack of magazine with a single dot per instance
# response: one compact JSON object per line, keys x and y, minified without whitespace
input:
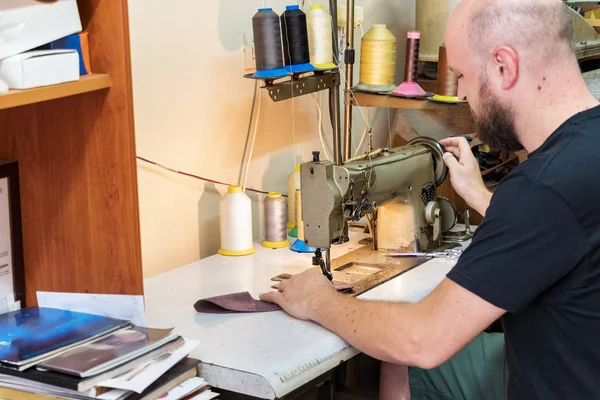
{"x":63,"y":354}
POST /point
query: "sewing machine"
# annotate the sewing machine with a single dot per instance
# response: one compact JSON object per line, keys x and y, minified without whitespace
{"x":396,"y":186}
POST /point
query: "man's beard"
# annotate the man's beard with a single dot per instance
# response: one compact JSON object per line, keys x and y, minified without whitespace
{"x":495,"y":123}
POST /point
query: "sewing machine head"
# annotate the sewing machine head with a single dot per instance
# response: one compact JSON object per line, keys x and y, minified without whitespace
{"x":397,"y":185}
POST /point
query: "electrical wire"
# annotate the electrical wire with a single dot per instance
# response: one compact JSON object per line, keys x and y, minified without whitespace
{"x":193,"y":175}
{"x":253,"y":141}
{"x":321,"y":128}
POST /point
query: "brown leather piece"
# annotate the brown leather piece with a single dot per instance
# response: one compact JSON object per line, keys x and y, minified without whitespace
{"x":241,"y":302}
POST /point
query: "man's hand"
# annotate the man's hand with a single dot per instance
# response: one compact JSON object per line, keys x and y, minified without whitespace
{"x":301,"y":295}
{"x":465,"y":175}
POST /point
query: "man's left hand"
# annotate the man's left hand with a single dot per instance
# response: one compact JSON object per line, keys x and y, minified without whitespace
{"x":300,"y":295}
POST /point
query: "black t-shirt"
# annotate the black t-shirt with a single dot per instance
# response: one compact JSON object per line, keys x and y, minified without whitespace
{"x":537,"y":256}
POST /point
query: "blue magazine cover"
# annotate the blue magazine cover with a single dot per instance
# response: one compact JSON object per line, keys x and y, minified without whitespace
{"x":33,"y":334}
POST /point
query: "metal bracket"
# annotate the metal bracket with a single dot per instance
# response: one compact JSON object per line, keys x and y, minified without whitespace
{"x":301,"y":86}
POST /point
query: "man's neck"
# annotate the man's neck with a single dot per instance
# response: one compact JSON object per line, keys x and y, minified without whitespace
{"x":541,"y":115}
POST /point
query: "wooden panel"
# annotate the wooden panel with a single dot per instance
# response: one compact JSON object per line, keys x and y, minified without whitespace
{"x":88,"y":83}
{"x":78,"y":173}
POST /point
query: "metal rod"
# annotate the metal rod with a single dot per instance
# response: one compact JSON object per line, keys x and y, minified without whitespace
{"x":328,"y":262}
{"x":334,"y":91}
{"x":349,"y":78}
{"x":334,"y":98}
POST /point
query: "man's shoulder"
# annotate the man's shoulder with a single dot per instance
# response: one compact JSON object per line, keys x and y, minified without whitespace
{"x":568,"y":170}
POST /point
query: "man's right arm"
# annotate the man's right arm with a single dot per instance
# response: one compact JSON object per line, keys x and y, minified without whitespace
{"x":465,"y":175}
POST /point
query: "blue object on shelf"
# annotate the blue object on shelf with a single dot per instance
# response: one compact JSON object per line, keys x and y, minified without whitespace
{"x":270,"y":74}
{"x":299,"y":68}
{"x":300,"y":247}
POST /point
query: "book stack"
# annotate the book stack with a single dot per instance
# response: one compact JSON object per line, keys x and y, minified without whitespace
{"x":46,"y":353}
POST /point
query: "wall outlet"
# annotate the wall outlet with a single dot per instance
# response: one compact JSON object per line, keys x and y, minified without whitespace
{"x":359,"y":16}
{"x":249,"y":56}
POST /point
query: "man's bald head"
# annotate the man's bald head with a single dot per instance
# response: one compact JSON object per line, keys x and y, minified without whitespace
{"x":517,"y":68}
{"x":540,"y":28}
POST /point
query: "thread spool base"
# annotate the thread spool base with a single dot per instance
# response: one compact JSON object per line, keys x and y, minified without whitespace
{"x":375,"y":88}
{"x":325,"y":67}
{"x":300,"y":247}
{"x":409,"y":90}
{"x":294,"y":232}
{"x":445,"y":99}
{"x":270,"y":74}
{"x":236,"y":253}
{"x":276,"y":245}
{"x":299,"y":68}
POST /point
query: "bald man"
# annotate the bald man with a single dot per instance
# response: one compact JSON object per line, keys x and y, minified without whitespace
{"x":534,"y":261}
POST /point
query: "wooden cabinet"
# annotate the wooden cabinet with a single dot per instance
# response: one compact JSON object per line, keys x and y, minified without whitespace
{"x":77,"y":163}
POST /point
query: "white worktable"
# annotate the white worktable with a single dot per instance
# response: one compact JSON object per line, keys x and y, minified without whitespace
{"x":266,"y":355}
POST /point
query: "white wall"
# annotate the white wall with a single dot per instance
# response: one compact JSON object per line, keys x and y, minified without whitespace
{"x":191,"y":113}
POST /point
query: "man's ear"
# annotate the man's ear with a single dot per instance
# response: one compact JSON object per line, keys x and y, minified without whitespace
{"x":505,"y":67}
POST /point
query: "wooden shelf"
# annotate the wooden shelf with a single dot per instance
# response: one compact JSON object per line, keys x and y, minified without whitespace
{"x":87,"y":83}
{"x":385,"y":101}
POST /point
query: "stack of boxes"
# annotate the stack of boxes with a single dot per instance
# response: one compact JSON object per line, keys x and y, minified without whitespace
{"x":41,"y":43}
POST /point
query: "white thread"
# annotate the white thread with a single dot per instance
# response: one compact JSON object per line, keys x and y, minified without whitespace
{"x":323,"y":145}
{"x":253,"y":140}
{"x":320,"y":41}
{"x":295,"y":154}
{"x":235,"y":210}
{"x":364,"y":135}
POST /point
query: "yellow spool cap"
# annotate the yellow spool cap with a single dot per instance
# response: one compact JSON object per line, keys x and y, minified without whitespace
{"x":446,"y":99}
{"x":276,"y":245}
{"x":234,"y":189}
{"x":297,"y":167}
{"x":316,"y":6}
{"x":274,"y":195}
{"x":236,"y":253}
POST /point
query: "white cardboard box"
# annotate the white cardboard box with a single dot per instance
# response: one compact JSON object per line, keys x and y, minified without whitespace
{"x":40,"y":68}
{"x":27,"y":24}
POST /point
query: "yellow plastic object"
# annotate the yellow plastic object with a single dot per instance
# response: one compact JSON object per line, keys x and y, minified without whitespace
{"x":297,"y":167}
{"x":316,"y":6}
{"x":236,"y":253}
{"x":290,"y":225}
{"x":276,"y":245}
{"x":274,"y":195}
{"x":234,"y":189}
{"x":446,"y":99}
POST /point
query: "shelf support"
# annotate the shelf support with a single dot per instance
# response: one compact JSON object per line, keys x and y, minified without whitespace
{"x":334,"y":91}
{"x":349,"y":61}
{"x":301,"y":86}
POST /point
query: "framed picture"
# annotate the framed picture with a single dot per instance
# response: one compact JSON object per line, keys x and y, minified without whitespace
{"x":12,"y":272}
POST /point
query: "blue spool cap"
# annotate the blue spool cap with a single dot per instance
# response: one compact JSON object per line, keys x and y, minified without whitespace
{"x":299,"y":68}
{"x":292,"y":7}
{"x":265,"y":9}
{"x":300,"y":247}
{"x":270,"y":73}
